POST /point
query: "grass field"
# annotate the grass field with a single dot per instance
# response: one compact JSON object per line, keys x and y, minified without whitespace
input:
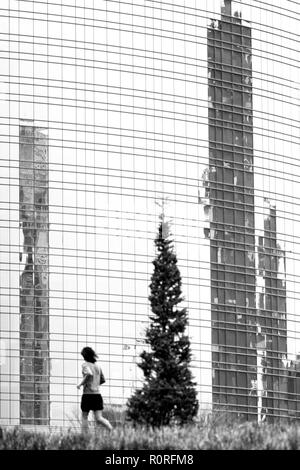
{"x":208,"y":435}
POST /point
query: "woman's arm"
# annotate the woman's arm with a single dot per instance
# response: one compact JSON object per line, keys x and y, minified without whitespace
{"x":87,"y":373}
{"x":84,"y":380}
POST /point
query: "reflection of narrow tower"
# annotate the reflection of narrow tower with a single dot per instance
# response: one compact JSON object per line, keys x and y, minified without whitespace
{"x":231,"y":197}
{"x":34,"y":279}
{"x":271,"y":317}
{"x":293,"y":387}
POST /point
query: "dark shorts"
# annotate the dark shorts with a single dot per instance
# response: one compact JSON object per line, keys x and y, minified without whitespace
{"x":92,"y":402}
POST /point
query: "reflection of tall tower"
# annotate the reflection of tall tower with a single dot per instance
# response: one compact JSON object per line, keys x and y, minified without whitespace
{"x":231,"y":196}
{"x":249,"y":330}
{"x":34,"y":279}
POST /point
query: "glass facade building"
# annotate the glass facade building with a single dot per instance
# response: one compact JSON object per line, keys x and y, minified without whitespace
{"x":109,"y":110}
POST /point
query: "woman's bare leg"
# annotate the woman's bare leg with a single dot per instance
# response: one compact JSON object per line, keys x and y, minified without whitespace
{"x":102,"y":421}
{"x":85,"y":423}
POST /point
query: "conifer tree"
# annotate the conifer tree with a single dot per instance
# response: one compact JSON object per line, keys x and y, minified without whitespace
{"x":168,"y":394}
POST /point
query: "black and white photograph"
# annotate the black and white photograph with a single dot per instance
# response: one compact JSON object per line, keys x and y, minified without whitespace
{"x":149,"y":228}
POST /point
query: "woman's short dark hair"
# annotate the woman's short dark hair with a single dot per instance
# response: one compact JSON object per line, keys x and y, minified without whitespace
{"x":89,"y":354}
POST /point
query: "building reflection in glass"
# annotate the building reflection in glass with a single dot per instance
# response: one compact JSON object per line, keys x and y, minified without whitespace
{"x":34,"y":278}
{"x":231,"y":199}
{"x":249,"y":325}
{"x":271,"y":320}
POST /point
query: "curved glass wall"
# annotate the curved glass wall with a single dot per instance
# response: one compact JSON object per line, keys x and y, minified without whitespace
{"x":110,"y":109}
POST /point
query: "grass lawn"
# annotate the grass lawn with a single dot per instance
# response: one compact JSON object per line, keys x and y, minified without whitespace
{"x":210,"y":434}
